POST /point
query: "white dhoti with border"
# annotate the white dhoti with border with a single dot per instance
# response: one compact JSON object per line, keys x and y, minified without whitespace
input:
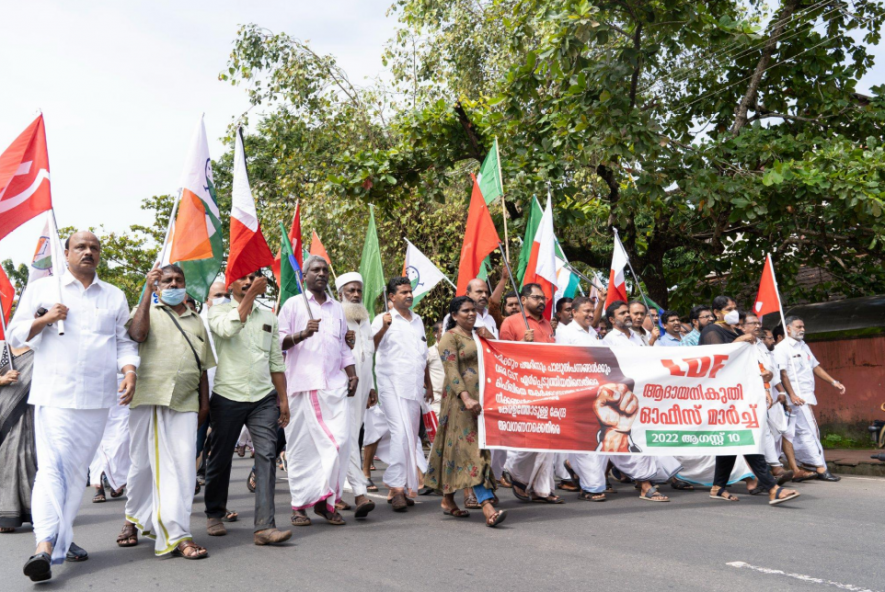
{"x":112,"y":456}
{"x":803,"y":433}
{"x":590,"y":468}
{"x":699,"y":470}
{"x":317,"y":447}
{"x":356,"y":408}
{"x":161,"y":482}
{"x":66,"y":442}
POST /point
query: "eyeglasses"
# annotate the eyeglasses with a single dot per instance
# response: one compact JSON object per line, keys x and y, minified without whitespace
{"x":706,"y":318}
{"x":537,"y":297}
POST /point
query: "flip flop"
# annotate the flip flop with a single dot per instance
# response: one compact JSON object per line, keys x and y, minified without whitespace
{"x":653,"y":495}
{"x":496,"y":519}
{"x":100,"y":497}
{"x":550,"y":499}
{"x":523,"y":497}
{"x":371,"y":486}
{"x":457,"y":513}
{"x":724,"y":496}
{"x":118,"y":492}
{"x":39,"y":567}
{"x":591,"y":497}
{"x":787,"y":497}
{"x":230,"y":516}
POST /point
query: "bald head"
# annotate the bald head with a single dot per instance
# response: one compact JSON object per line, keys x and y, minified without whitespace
{"x":83,"y":253}
{"x":478,"y":291}
{"x":216,"y":290}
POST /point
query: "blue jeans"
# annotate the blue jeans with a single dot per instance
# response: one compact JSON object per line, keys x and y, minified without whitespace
{"x":482,"y":493}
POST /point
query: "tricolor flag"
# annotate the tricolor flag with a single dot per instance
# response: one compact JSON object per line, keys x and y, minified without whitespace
{"x":617,"y":284}
{"x":41,"y":262}
{"x":24,"y":178}
{"x":248,"y":249}
{"x":294,"y":243}
{"x":421,"y":271}
{"x":290,"y":270}
{"x":480,"y":239}
{"x":194,"y":238}
{"x":767,"y":300}
{"x":541,"y":268}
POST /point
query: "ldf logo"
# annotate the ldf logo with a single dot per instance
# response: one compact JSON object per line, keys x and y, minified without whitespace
{"x":696,"y":367}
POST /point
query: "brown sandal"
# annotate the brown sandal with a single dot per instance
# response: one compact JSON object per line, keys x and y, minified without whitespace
{"x":115,"y":493}
{"x":333,"y":518}
{"x":299,"y":519}
{"x":99,"y":497}
{"x":471,"y":504}
{"x":182,"y":550}
{"x":496,"y":518}
{"x":128,"y":536}
{"x":230,"y":516}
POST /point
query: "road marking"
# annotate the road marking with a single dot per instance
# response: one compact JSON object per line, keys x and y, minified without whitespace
{"x":795,"y":576}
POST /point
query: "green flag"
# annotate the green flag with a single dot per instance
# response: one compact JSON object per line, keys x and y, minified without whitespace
{"x":288,"y":279}
{"x":370,"y":267}
{"x":531,"y":228}
{"x":489,"y":179}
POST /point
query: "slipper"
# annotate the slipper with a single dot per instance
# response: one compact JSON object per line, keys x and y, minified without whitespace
{"x":128,"y":537}
{"x":550,"y":499}
{"x":653,"y":495}
{"x":251,"y":483}
{"x":115,"y":493}
{"x":333,"y":518}
{"x":230,"y":516}
{"x":299,"y":520}
{"x":523,"y":497}
{"x":179,"y":550}
{"x":496,"y":519}
{"x":457,"y":513}
{"x":363,"y":509}
{"x":787,"y":496}
{"x":588,"y":496}
{"x":76,"y":553}
{"x":343,"y":506}
{"x":724,"y":495}
{"x":371,"y":486}
{"x":38,"y":567}
{"x":99,"y":497}
{"x":680,"y":485}
{"x":568,"y":485}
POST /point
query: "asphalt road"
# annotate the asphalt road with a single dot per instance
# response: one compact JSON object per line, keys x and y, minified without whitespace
{"x":831,"y":538}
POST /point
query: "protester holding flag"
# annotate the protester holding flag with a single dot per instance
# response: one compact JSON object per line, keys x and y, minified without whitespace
{"x":456,"y":461}
{"x":359,"y":338}
{"x":321,"y":376}
{"x":74,"y":384}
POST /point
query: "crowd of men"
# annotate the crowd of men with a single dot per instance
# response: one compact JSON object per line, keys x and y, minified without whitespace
{"x":304,"y":384}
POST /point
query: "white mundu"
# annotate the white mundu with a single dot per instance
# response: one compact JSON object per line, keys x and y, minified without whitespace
{"x":74,"y":384}
{"x":112,"y":456}
{"x":363,"y":357}
{"x":796,"y":359}
{"x":400,"y":361}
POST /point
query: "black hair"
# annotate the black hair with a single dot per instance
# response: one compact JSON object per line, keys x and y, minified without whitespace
{"x":695,"y":313}
{"x":668,"y":314}
{"x":792,"y":319}
{"x":562,"y":302}
{"x":437,"y":325}
{"x":172,"y":268}
{"x":777,"y":332}
{"x":720,"y":302}
{"x":581,"y":301}
{"x":741,"y":316}
{"x":611,"y":308}
{"x":527,"y":289}
{"x":454,"y":308}
{"x":510,"y":294}
{"x":632,"y":302}
{"x":396,"y":282}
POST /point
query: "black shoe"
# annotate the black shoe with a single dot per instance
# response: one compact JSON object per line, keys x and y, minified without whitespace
{"x":76,"y":553}
{"x":38,"y":567}
{"x":426,"y":491}
{"x":828,"y":476}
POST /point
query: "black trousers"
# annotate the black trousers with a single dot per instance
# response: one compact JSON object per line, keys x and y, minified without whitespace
{"x":725,"y":464}
{"x":227,"y":419}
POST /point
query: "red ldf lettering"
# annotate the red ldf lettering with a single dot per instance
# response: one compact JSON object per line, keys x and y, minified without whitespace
{"x":673,"y":367}
{"x":718,"y":363}
{"x":697,"y":367}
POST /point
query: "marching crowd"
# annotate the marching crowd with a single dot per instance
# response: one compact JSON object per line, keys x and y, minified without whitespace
{"x":145,"y":400}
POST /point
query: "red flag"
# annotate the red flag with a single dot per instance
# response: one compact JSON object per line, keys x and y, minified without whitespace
{"x":297,"y":246}
{"x":7,"y":294}
{"x":480,"y":239}
{"x":248,"y":249}
{"x":24,"y":178}
{"x":317,"y":248}
{"x":767,"y":300}
{"x":617,"y":285}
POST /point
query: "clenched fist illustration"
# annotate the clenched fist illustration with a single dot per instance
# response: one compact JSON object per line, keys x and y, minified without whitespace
{"x":616,"y":407}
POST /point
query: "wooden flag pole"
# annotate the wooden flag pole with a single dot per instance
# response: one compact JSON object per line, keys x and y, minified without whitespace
{"x":515,"y":289}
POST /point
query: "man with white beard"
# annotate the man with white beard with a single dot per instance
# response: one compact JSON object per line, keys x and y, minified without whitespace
{"x":359,"y":339}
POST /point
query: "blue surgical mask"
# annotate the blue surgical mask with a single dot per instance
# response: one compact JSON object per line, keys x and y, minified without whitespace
{"x":220,"y":300}
{"x":173,"y":296}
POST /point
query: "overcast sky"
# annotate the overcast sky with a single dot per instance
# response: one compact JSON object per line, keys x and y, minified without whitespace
{"x":122,"y":84}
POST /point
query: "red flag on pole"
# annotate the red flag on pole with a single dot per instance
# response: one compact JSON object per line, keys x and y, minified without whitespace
{"x":317,"y":248}
{"x":295,"y":240}
{"x":480,"y":239}
{"x":7,"y":294}
{"x":24,"y":178}
{"x":767,"y":300}
{"x":617,"y":284}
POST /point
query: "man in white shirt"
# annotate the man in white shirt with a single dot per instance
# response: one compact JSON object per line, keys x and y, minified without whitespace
{"x":798,"y":367}
{"x":74,"y":384}
{"x":580,"y":330}
{"x":639,"y":314}
{"x":478,"y":291}
{"x":359,"y":338}
{"x":403,"y":379}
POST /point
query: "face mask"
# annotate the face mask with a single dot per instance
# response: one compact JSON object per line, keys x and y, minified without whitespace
{"x":220,"y":300}
{"x":173,"y":296}
{"x":732,"y":318}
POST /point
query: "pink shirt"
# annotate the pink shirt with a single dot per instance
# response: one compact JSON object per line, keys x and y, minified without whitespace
{"x":318,"y":362}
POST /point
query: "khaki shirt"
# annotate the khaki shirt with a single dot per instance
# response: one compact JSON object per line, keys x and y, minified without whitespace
{"x":168,"y":375}
{"x":247,"y":352}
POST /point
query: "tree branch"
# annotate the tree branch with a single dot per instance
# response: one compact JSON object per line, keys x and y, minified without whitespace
{"x":476,"y":150}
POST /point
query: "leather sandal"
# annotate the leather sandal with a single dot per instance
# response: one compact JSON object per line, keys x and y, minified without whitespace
{"x":181,"y":550}
{"x":128,"y":537}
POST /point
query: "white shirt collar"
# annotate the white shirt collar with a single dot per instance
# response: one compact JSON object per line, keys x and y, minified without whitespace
{"x":68,"y":278}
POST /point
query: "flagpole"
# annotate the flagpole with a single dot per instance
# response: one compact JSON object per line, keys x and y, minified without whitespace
{"x":506,"y":252}
{"x":635,"y":277}
{"x":383,"y":283}
{"x":301,"y":288}
{"x":515,"y":289}
{"x":780,"y":309}
{"x":56,"y":240}
{"x":169,"y":228}
{"x":6,"y":332}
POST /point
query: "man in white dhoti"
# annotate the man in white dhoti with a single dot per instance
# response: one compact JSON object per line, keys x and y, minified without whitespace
{"x":74,"y":384}
{"x":359,"y":339}
{"x":321,"y":376}
{"x":111,"y":460}
{"x":589,"y":469}
{"x":403,"y":379}
{"x":171,"y":400}
{"x":798,"y":367}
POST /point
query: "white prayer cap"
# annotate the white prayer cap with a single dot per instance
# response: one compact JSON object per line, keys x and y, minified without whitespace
{"x":346,"y":278}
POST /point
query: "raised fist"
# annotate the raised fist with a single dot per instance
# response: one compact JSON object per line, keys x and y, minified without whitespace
{"x":616,"y":407}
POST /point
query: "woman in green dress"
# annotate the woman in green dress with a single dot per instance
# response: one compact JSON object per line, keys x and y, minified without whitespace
{"x":456,"y":461}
